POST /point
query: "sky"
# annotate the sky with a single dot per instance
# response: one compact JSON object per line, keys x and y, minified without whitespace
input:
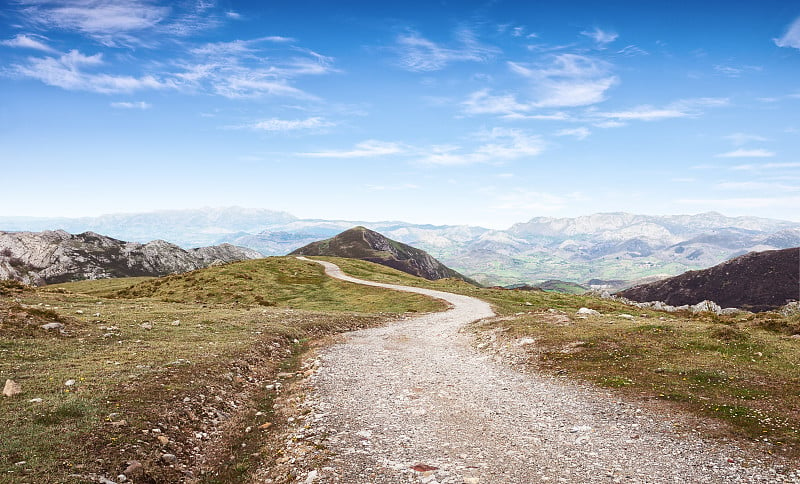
{"x":480,"y":113}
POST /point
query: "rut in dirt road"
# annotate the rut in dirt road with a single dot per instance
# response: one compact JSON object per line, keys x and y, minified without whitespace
{"x":415,"y":402}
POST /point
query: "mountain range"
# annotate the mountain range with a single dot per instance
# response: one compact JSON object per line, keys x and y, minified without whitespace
{"x":607,"y":250}
{"x":51,"y":257}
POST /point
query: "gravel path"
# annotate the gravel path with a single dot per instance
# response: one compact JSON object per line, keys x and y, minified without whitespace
{"x":415,"y":402}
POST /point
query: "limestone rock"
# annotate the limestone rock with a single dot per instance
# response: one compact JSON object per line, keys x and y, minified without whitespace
{"x":587,"y":312}
{"x":12,"y":388}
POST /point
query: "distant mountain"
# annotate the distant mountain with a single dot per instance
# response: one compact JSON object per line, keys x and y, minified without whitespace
{"x":608,"y":246}
{"x":758,"y":281}
{"x":187,"y":228}
{"x":364,"y":244}
{"x":50,"y":257}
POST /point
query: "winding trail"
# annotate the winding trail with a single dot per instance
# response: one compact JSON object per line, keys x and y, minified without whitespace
{"x":417,"y":394}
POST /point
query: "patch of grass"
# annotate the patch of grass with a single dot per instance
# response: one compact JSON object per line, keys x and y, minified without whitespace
{"x":279,"y":282}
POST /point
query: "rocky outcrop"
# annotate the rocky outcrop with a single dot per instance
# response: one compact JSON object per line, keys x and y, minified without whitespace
{"x":50,"y":257}
{"x":758,"y":281}
{"x":365,"y":244}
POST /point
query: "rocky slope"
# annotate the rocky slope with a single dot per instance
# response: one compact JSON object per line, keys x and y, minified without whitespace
{"x":362,"y":243}
{"x":50,"y":257}
{"x":758,"y":281}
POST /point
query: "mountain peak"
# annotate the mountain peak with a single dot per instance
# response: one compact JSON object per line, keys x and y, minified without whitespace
{"x":362,"y":243}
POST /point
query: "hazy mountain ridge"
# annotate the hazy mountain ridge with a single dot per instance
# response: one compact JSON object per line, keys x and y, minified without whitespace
{"x":600,"y":246}
{"x":57,"y":256}
{"x":362,"y":243}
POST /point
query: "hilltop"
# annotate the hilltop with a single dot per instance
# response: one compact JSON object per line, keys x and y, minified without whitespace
{"x":758,"y":281}
{"x":364,"y":244}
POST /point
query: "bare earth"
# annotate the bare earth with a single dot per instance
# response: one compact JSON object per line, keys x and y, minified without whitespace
{"x":415,"y":402}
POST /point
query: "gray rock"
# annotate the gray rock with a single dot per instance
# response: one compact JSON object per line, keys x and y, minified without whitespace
{"x":12,"y":388}
{"x":706,"y":307}
{"x":587,"y":312}
{"x":52,"y":326}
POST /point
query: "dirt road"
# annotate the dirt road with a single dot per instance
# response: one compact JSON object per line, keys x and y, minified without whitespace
{"x":415,"y":402}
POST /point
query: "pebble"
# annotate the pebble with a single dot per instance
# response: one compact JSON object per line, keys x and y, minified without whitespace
{"x":169,"y":458}
{"x":70,"y":383}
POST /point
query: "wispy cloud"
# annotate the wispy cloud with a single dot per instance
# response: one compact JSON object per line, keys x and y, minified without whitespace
{"x":735,"y":71}
{"x":29,"y":42}
{"x":792,"y":36}
{"x":286,"y":125}
{"x":632,"y":51}
{"x":580,"y":133}
{"x":683,"y":108}
{"x":70,"y":71}
{"x":739,"y":139}
{"x":419,"y":54}
{"x":533,"y":201}
{"x":107,"y":21}
{"x":482,"y":102}
{"x":365,"y":149}
{"x":601,"y":37}
{"x":497,"y":145}
{"x":242,"y":69}
{"x":569,"y":80}
{"x":743,"y":153}
{"x":766,"y":166}
{"x":131,"y":105}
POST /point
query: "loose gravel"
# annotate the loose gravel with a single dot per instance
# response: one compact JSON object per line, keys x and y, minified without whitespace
{"x":416,"y":402}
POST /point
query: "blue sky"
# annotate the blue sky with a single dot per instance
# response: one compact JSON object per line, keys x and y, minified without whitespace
{"x":481,"y":113}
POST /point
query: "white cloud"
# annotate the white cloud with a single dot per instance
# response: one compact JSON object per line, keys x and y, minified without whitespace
{"x":632,"y":51}
{"x":580,"y":133}
{"x":67,"y":71}
{"x":29,"y":42}
{"x":735,"y":71}
{"x":132,"y":105}
{"x":233,"y":15}
{"x":601,"y":37}
{"x":792,"y":36}
{"x":739,"y":139}
{"x":766,"y":166}
{"x":743,"y":153}
{"x":683,"y":108}
{"x":643,"y":113}
{"x":609,"y":124}
{"x":482,"y":102}
{"x":499,"y":145}
{"x":107,"y":21}
{"x":284,"y":125}
{"x":241,"y":69}
{"x":569,"y":80}
{"x":365,"y":149}
{"x":419,"y":54}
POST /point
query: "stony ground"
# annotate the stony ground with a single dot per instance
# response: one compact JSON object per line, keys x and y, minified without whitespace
{"x":416,"y":402}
